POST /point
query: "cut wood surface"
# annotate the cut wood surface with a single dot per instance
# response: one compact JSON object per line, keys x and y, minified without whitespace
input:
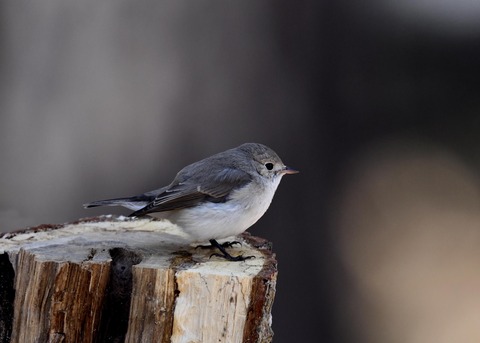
{"x":116,"y":279}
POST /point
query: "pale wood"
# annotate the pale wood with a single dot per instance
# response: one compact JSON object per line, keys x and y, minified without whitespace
{"x":114,"y":279}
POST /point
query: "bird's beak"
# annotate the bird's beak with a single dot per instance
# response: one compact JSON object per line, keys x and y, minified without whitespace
{"x":288,"y":170}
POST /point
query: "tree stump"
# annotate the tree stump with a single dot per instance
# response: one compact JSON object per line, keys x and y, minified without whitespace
{"x":116,"y":279}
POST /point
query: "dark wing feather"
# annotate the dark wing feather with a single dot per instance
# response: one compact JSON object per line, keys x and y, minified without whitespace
{"x":188,"y":191}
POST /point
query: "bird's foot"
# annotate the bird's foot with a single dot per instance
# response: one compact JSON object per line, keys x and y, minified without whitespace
{"x":224,"y":245}
{"x":224,"y":254}
{"x":229,"y":257}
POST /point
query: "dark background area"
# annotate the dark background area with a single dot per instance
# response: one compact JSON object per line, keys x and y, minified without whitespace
{"x":376,"y":104}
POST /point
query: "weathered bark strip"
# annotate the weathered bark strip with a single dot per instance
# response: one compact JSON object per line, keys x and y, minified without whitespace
{"x":57,"y":298}
{"x":114,"y":279}
{"x":258,"y":326}
{"x":153,"y":300}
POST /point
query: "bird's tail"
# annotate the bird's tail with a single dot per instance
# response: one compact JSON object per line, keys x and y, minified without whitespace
{"x":133,"y":203}
{"x":108,"y":202}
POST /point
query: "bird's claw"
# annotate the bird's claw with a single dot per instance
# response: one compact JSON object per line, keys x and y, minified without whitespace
{"x":230,"y":244}
{"x":232,"y":258}
{"x":224,"y":245}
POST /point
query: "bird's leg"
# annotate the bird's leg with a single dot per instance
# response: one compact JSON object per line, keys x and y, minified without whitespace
{"x":212,"y":246}
{"x":225,"y":254}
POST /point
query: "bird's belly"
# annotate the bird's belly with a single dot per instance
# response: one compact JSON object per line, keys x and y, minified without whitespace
{"x":216,"y":220}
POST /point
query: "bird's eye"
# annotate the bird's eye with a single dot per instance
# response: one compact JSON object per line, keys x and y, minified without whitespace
{"x":269,"y":166}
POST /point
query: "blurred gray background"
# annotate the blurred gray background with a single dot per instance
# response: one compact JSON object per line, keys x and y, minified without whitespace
{"x":376,"y":103}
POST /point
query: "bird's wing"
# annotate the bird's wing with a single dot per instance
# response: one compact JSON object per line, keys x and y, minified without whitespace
{"x":189,"y":191}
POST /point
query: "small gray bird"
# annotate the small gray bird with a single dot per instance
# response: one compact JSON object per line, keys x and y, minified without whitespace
{"x":217,"y":197}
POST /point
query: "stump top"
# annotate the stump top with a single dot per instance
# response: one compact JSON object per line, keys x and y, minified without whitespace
{"x":157,"y":241}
